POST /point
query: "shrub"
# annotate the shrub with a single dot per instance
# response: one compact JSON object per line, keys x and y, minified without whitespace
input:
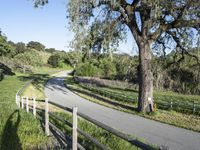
{"x":87,"y":69}
{"x":54,"y":60}
{"x":30,"y":57}
{"x":24,"y":62}
{"x":62,"y":64}
{"x":108,"y":68}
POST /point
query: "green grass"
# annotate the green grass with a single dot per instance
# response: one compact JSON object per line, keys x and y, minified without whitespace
{"x":18,"y":129}
{"x":181,"y":103}
{"x":108,"y":139}
{"x":47,"y":70}
{"x":158,"y":95}
{"x":191,"y":122}
{"x":40,"y":76}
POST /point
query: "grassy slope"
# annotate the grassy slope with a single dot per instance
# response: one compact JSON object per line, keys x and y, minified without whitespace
{"x":191,"y":122}
{"x":17,"y":128}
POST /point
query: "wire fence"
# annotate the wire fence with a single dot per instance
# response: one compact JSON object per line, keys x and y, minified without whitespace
{"x":188,"y":107}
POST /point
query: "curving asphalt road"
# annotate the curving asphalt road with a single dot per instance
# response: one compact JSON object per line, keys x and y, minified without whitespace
{"x":153,"y":132}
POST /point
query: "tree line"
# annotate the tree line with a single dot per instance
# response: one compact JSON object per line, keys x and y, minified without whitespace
{"x":20,"y":56}
{"x":179,"y":76}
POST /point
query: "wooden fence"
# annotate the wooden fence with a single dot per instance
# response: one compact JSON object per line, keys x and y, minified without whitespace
{"x":24,"y":103}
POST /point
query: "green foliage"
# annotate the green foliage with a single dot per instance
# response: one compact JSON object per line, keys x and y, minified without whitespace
{"x":126,"y":67}
{"x":36,"y":45}
{"x":5,"y":48}
{"x":54,"y":60}
{"x":30,"y":57}
{"x":50,"y":50}
{"x":20,"y":47}
{"x":182,"y":76}
{"x":70,"y":58}
{"x":121,"y":68}
{"x":108,"y":68}
{"x":25,"y":62}
{"x":73,"y":58}
{"x":87,"y":69}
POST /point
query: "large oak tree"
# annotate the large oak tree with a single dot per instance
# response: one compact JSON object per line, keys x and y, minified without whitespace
{"x":151,"y":22}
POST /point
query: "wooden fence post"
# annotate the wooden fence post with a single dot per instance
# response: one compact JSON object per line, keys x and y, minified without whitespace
{"x":47,"y":116}
{"x":194,"y":107}
{"x":74,"y":134}
{"x":34,"y":107}
{"x":18,"y":101}
{"x":22,"y":102}
{"x":171,"y":104}
{"x":16,"y":96}
{"x":27,"y":103}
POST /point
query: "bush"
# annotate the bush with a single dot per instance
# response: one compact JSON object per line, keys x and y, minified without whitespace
{"x":108,"y":68}
{"x":62,"y":64}
{"x":87,"y":69}
{"x":24,"y":62}
{"x":30,"y":57}
{"x":54,"y":60}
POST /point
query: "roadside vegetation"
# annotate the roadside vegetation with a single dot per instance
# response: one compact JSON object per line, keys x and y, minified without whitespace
{"x":104,"y":137}
{"x":188,"y":121}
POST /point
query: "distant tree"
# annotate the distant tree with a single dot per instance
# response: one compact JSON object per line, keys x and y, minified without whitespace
{"x":73,"y":58}
{"x":11,"y":43}
{"x":20,"y":47}
{"x":50,"y":50}
{"x":27,"y":60}
{"x":54,"y":60}
{"x":36,"y":45}
{"x":5,"y":48}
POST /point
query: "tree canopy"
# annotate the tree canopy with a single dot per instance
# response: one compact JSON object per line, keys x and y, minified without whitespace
{"x":36,"y":45}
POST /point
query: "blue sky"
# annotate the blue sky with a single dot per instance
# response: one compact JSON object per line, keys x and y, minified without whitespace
{"x":21,"y":22}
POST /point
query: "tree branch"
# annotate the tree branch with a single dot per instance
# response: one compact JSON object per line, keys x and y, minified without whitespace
{"x":185,"y":23}
{"x":184,"y":51}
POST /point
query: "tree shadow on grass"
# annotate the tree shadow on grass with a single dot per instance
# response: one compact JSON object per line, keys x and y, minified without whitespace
{"x":38,"y":80}
{"x":10,"y":139}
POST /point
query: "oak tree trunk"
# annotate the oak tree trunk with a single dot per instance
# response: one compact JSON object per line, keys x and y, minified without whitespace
{"x":145,"y":99}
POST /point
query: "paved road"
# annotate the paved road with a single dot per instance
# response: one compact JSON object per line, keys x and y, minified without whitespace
{"x":152,"y":131}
